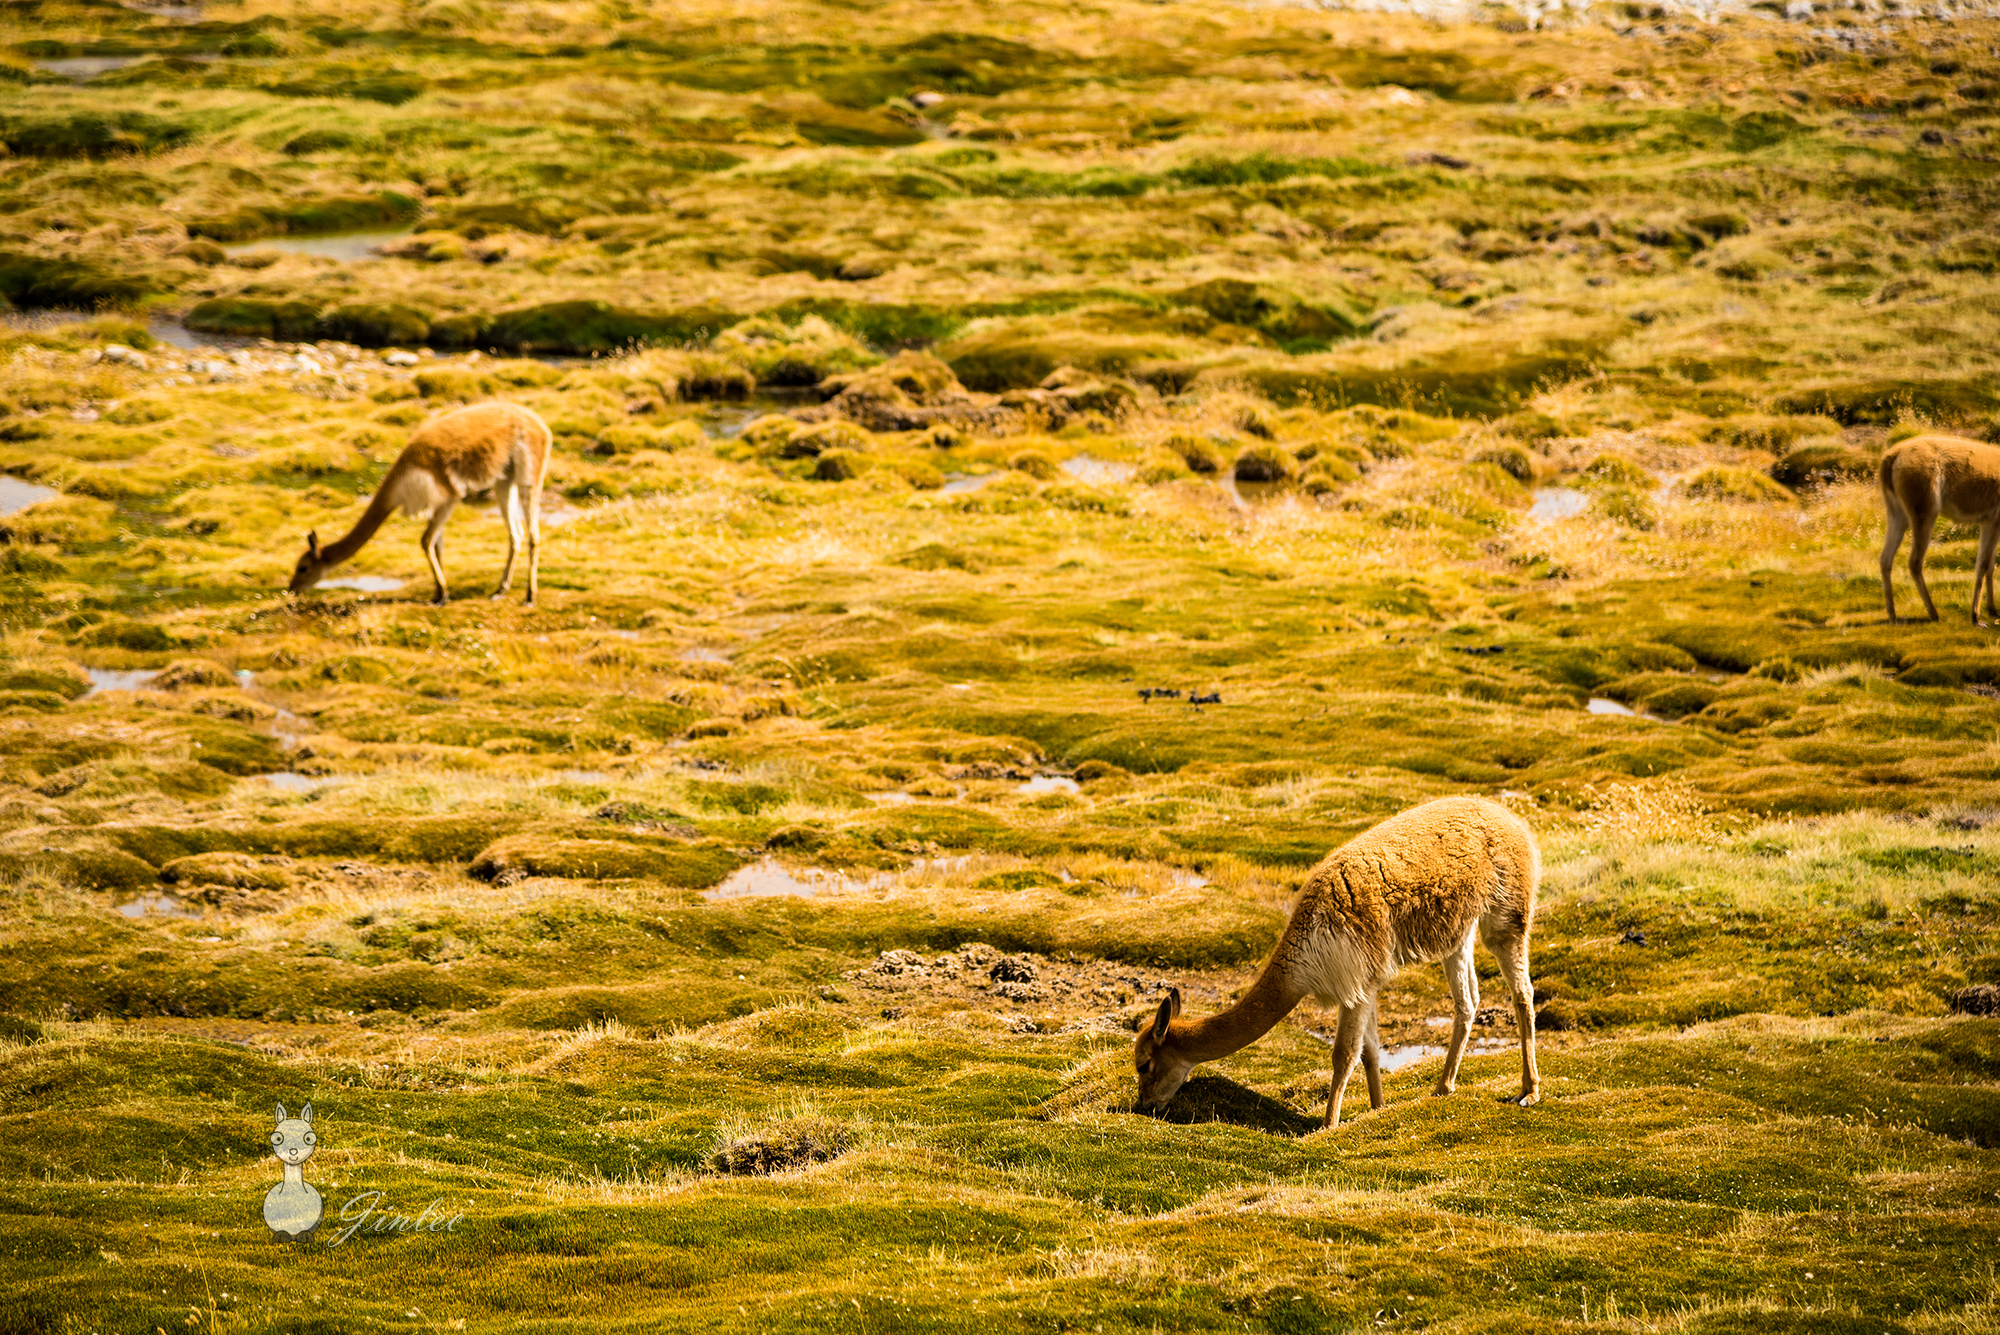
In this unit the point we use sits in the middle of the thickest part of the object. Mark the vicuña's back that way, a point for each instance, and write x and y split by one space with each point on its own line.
1420 886
1408 891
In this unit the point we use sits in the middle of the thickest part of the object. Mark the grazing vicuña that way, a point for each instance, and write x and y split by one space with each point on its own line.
1418 887
496 451
1928 476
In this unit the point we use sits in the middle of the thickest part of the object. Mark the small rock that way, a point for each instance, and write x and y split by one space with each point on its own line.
124 356
1019 1024
1633 937
400 357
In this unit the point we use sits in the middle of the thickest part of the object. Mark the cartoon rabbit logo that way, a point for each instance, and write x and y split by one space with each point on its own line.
293 1208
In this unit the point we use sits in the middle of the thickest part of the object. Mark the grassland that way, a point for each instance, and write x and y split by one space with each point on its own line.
943 395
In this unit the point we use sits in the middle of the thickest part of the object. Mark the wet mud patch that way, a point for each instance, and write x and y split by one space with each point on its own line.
1032 993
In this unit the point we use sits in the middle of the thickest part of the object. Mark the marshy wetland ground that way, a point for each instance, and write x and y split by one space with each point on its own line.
945 396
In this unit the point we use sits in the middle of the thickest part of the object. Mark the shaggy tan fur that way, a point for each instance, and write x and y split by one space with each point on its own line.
490 451
1928 476
1418 887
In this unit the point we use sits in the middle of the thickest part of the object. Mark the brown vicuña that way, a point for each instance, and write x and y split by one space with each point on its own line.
490 451
1418 887
1928 476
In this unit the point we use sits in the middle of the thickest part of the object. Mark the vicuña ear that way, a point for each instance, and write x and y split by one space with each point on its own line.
1174 996
282 1114
312 543
1161 1020
306 1114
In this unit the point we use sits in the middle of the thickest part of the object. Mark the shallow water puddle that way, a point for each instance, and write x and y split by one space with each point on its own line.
1558 503
1247 494
896 799
703 654
81 68
336 246
289 781
957 484
172 332
726 420
1407 1054
768 878
1599 705
1051 783
1096 472
364 583
17 493
109 679
157 902
287 727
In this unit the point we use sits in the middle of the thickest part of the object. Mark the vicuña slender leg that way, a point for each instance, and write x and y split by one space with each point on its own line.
1464 983
1982 571
1509 943
1899 524
510 510
434 548
534 540
1346 1045
1920 543
1371 1054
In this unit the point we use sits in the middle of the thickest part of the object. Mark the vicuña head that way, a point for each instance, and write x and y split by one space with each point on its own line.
312 567
1162 1068
1420 886
490 450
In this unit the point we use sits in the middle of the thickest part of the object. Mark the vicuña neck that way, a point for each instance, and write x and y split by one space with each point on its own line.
1269 1000
294 1174
371 519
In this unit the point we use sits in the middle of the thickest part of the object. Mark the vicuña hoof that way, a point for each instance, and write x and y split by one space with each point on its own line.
1529 1099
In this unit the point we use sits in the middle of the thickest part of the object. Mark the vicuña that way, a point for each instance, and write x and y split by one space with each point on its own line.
1928 476
1418 887
490 451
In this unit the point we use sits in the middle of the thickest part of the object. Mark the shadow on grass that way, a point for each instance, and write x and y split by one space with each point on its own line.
1215 1098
